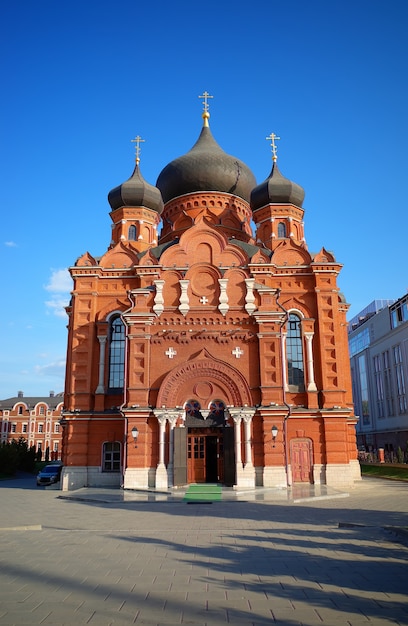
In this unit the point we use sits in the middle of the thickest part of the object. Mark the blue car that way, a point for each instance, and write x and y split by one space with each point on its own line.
49 475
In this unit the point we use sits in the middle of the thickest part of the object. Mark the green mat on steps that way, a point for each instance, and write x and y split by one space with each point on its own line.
203 493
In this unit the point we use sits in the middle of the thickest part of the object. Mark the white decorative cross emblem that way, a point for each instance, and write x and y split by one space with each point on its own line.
237 352
171 352
203 300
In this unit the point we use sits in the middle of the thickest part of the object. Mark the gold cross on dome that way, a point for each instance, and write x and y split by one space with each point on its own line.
272 138
137 140
206 95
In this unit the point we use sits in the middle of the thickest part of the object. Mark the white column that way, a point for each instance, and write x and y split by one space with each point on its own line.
162 434
249 469
247 416
245 474
172 417
311 385
184 306
102 341
158 306
249 297
223 304
238 457
161 471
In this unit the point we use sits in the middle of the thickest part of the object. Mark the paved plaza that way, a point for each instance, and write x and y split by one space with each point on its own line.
100 557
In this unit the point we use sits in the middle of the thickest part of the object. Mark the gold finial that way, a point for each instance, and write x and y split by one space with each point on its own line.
206 113
272 138
137 140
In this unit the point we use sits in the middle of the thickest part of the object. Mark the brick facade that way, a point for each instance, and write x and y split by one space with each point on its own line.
203 339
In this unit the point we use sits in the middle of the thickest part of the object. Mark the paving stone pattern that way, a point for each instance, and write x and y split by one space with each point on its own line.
98 557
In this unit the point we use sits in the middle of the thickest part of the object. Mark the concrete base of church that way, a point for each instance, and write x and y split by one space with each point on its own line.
342 476
137 478
77 477
355 469
274 477
162 478
319 474
245 476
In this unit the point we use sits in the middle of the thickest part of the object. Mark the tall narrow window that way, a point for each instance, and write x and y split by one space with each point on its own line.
281 230
379 385
389 396
399 374
116 354
132 233
365 407
111 456
294 352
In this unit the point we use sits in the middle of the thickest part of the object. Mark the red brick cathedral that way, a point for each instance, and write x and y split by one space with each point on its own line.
215 351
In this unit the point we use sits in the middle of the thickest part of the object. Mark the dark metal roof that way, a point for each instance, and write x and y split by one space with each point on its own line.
136 192
206 167
157 251
31 401
276 189
250 249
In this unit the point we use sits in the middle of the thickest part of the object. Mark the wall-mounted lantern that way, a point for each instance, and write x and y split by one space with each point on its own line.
135 435
274 434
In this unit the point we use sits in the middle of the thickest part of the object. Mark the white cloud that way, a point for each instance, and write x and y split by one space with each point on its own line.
10 244
57 305
51 369
59 286
60 281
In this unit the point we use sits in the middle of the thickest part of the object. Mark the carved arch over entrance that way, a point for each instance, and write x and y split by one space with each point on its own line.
222 381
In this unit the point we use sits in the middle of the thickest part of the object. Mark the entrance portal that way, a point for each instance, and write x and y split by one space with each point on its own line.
205 458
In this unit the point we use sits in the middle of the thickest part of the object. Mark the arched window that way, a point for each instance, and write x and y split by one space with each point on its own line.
132 233
217 407
111 456
294 351
192 408
116 354
281 230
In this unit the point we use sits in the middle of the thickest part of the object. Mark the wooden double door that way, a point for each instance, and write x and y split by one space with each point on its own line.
301 460
205 458
204 455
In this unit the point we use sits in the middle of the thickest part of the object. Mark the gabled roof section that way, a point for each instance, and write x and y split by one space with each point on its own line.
323 256
249 248
119 256
158 250
86 259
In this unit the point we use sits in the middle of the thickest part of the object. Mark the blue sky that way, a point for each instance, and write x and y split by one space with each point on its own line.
82 78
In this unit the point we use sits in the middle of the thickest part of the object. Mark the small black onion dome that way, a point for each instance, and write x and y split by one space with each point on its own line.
136 192
206 167
276 189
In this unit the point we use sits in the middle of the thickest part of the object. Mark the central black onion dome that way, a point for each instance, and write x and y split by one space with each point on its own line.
276 189
206 167
136 192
